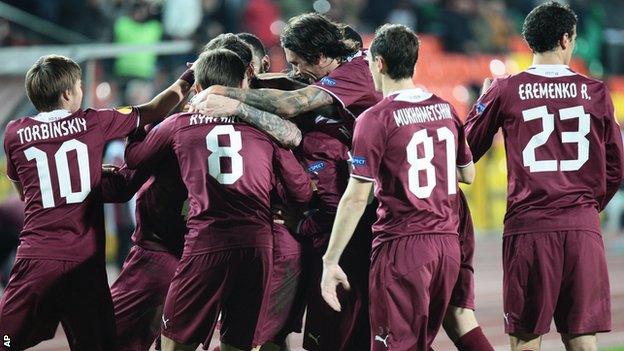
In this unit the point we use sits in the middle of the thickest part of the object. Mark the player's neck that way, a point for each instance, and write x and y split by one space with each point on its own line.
389 86
549 58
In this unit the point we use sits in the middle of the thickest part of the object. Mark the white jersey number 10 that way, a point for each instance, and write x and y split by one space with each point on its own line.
62 170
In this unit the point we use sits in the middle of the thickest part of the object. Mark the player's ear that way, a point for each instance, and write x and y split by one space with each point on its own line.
265 64
67 94
565 41
380 64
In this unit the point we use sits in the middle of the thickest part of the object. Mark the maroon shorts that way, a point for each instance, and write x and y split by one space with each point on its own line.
556 274
233 282
284 297
411 281
138 296
348 330
41 293
463 293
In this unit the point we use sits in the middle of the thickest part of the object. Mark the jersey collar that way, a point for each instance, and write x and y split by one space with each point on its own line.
411 95
551 70
51 116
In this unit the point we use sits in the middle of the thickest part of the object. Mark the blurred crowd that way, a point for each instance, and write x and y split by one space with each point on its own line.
464 25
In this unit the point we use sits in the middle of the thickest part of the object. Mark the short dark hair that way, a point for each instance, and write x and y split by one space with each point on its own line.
254 42
231 42
311 34
351 34
219 67
546 24
48 78
398 46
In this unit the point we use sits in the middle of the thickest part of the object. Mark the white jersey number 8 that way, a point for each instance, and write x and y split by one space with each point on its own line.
548 126
214 160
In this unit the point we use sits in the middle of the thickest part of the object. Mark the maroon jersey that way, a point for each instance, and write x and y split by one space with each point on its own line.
351 85
57 158
410 144
326 160
563 146
228 169
160 217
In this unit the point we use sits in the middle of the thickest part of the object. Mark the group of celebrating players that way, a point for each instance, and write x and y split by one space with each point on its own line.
247 202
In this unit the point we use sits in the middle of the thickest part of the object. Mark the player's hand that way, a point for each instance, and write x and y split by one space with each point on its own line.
487 82
332 276
218 106
199 98
109 169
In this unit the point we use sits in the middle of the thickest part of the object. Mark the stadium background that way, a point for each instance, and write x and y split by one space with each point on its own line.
130 50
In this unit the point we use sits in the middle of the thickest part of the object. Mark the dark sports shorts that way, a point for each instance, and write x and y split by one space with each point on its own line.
138 296
561 275
463 293
284 298
232 282
41 293
326 329
411 281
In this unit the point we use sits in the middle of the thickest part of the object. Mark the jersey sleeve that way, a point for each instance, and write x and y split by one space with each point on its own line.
345 85
117 123
613 150
141 154
464 155
369 140
296 182
121 186
11 170
484 120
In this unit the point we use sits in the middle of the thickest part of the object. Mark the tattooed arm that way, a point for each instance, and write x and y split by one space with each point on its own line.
283 103
284 132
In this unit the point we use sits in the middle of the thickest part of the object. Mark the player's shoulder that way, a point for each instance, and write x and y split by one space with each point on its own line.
11 129
354 68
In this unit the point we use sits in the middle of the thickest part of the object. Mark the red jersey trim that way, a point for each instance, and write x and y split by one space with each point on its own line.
13 180
466 165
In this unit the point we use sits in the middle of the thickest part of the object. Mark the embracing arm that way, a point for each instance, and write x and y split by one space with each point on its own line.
283 103
285 132
162 104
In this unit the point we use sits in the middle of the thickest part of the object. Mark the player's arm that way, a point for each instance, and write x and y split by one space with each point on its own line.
280 102
120 184
140 154
614 152
296 182
484 120
369 140
284 132
350 210
464 165
162 104
11 171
